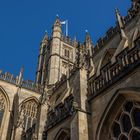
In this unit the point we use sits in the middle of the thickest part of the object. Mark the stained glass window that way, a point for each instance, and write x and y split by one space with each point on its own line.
116 130
123 138
136 135
126 125
2 107
128 106
136 115
29 114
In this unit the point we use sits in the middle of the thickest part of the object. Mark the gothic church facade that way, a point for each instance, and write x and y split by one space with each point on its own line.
82 91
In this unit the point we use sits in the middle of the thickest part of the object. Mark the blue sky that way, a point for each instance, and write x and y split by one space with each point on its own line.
23 23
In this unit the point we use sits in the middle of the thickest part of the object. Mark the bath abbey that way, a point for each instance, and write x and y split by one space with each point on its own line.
82 91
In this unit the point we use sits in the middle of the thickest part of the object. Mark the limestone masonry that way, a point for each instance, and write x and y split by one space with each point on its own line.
82 91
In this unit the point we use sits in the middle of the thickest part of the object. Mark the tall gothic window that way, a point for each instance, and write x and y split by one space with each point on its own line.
126 125
28 114
2 107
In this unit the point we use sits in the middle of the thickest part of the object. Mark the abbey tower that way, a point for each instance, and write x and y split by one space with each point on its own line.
56 54
82 91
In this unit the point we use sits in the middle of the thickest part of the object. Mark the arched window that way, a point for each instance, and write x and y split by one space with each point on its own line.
2 107
63 135
126 125
28 114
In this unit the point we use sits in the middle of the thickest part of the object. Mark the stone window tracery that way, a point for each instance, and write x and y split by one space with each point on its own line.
28 114
126 125
2 107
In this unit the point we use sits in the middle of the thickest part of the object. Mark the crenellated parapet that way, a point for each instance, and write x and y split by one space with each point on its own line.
68 40
8 77
104 40
132 13
28 84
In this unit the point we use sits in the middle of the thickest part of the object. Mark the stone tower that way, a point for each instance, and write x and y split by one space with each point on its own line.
56 54
54 61
90 93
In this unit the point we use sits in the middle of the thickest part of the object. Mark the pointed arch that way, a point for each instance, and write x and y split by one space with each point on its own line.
28 112
113 110
108 54
63 134
4 108
29 99
6 97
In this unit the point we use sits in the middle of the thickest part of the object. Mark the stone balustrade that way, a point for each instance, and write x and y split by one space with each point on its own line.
126 61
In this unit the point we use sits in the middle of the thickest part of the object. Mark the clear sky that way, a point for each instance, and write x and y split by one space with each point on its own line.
23 23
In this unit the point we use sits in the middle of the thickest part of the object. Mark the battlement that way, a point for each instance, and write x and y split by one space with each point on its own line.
132 13
68 40
110 33
8 77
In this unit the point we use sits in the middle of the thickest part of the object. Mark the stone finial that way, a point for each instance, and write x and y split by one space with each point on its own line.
57 21
89 46
20 78
119 18
88 38
46 37
56 30
75 42
121 24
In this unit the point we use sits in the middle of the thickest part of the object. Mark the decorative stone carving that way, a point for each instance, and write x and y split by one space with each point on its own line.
82 57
